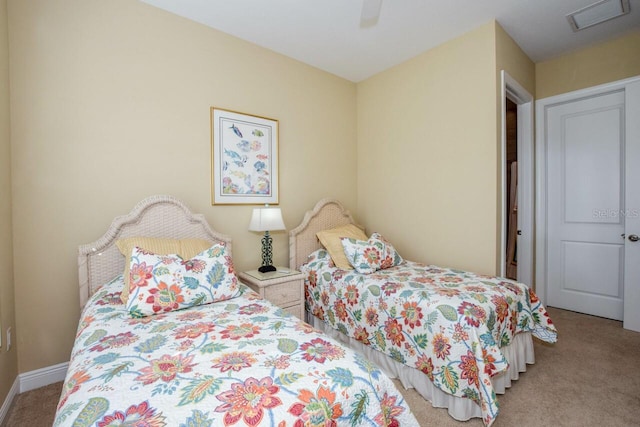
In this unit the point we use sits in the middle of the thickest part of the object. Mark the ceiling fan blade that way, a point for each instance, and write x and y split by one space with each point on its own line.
370 12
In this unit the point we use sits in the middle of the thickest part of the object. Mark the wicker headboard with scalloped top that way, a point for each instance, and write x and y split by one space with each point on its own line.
327 214
155 216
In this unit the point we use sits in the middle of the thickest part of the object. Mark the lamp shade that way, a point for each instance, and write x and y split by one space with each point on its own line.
266 219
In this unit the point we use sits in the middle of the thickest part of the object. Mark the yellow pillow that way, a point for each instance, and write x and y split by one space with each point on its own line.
330 239
185 248
192 247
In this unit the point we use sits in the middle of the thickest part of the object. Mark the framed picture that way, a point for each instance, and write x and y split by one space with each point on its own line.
244 158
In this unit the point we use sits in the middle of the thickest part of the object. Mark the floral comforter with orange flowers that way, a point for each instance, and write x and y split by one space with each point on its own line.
449 324
237 362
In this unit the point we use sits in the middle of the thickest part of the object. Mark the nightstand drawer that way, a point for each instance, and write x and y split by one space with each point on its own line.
296 310
281 288
284 293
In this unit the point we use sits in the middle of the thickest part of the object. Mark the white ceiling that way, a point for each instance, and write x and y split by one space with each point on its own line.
326 33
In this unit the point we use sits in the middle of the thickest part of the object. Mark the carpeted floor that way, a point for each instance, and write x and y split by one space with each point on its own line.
589 378
35 408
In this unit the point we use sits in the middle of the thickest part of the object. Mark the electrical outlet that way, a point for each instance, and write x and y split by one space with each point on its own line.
8 338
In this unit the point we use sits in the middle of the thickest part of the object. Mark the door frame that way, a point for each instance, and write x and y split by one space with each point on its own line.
519 95
542 105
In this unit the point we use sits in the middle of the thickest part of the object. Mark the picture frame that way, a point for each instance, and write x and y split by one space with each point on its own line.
244 158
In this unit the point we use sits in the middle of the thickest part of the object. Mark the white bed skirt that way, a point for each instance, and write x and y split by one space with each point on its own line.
519 353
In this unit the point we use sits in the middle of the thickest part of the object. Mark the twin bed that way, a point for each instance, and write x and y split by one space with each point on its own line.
456 337
167 358
191 346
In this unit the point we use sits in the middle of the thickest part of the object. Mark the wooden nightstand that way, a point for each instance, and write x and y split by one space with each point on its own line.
283 287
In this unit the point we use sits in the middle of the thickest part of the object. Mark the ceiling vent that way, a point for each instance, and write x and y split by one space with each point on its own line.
370 13
596 13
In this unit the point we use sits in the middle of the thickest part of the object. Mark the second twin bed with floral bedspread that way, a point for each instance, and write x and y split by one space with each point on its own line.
467 333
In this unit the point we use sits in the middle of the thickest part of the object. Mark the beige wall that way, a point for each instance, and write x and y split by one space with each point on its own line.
427 153
513 60
603 63
110 104
8 359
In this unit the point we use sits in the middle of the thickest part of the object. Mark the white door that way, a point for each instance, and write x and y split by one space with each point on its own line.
591 257
585 148
632 198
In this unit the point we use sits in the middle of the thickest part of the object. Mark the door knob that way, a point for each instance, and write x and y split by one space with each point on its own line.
634 238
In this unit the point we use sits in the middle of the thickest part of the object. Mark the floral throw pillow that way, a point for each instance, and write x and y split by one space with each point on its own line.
162 283
391 257
371 255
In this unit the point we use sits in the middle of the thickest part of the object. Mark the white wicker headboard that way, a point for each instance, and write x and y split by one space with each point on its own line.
155 216
327 213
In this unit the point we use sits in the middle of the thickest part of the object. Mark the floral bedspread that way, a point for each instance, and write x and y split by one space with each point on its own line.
238 362
449 324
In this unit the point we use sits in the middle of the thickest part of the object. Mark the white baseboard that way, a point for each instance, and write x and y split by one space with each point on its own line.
42 377
9 399
32 380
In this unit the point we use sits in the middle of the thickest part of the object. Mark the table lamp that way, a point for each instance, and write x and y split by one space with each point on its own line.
266 219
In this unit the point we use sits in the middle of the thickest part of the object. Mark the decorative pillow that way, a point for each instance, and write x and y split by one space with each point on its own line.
186 248
371 255
162 283
391 256
330 239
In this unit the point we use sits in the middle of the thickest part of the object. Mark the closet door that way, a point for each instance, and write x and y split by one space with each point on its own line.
589 244
632 199
585 153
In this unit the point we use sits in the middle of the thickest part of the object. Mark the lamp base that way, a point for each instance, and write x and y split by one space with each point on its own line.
266 254
266 268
